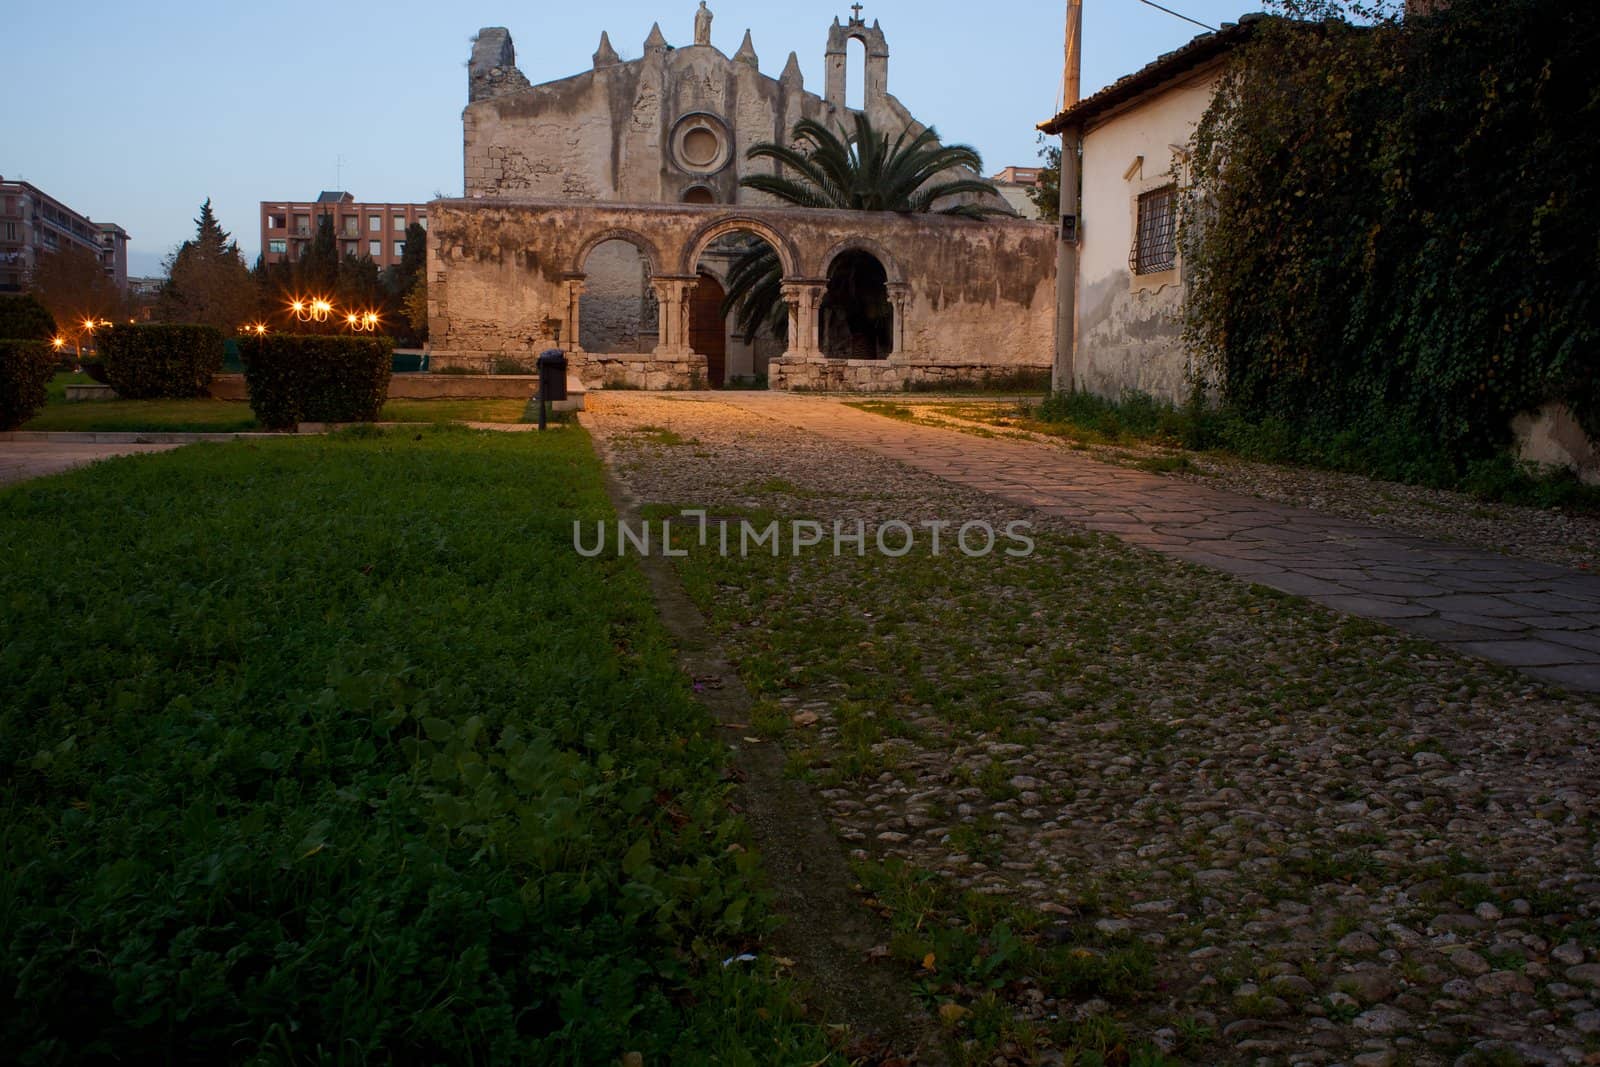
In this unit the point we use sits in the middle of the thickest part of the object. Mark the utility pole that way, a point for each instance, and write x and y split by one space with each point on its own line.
1061 377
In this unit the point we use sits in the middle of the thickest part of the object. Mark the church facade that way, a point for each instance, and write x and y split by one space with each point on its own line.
602 212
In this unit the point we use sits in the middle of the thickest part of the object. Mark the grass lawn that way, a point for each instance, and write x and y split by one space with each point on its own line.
204 415
334 749
1139 420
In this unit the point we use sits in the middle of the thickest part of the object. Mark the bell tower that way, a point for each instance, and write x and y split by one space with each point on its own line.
839 38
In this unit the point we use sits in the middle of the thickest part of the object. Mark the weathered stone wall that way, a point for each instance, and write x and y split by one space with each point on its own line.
620 313
1130 330
506 277
618 132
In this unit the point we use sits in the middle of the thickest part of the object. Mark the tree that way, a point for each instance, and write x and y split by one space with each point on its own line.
24 318
207 281
1046 193
414 261
416 309
863 172
317 269
72 285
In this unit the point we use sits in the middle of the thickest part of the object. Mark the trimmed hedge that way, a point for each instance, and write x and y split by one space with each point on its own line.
160 359
297 378
26 367
23 317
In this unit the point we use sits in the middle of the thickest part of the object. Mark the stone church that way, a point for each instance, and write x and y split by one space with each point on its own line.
602 210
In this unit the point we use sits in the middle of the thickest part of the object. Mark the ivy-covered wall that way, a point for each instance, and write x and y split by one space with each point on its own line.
1398 227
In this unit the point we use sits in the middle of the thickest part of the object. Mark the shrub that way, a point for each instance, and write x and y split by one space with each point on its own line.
23 317
160 359
25 370
303 378
1395 227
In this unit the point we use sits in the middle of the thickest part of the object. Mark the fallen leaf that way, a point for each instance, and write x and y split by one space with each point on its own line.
878 952
952 1013
805 718
927 962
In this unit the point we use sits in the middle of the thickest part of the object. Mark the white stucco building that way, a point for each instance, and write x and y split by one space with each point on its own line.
1135 134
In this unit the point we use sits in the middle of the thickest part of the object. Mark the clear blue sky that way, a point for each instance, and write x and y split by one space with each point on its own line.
135 112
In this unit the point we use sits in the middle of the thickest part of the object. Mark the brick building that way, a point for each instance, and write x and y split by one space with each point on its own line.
361 229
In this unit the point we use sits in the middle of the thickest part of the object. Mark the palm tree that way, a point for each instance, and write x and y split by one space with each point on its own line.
860 173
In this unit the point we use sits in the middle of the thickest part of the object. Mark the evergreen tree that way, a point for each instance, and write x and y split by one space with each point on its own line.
317 271
207 281
415 260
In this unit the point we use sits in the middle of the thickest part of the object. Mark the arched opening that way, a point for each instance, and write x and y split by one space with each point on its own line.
855 75
856 317
737 317
708 327
699 194
618 310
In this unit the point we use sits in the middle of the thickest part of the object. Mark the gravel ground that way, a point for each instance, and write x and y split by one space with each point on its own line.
1330 843
1532 533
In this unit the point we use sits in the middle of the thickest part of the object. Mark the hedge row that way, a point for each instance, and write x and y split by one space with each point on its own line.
160 359
303 378
25 370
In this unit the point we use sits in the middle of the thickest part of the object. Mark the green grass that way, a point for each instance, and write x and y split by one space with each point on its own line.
205 415
1380 449
332 749
200 415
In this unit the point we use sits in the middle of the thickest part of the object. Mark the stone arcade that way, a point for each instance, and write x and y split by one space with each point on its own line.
603 210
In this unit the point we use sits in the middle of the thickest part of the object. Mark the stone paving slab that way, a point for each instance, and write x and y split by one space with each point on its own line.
1527 614
21 460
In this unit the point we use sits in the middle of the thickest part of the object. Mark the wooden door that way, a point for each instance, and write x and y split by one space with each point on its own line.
708 330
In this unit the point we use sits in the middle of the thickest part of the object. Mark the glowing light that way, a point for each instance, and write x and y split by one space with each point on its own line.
59 342
316 309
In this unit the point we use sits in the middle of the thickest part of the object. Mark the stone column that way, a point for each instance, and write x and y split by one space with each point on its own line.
803 296
666 304
672 295
900 298
569 329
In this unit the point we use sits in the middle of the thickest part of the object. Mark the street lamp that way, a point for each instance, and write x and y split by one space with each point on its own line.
316 309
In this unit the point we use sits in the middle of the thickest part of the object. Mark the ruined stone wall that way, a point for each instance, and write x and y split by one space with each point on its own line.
619 311
637 132
973 296
1130 329
615 133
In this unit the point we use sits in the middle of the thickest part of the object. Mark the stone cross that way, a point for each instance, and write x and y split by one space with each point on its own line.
857 9
702 24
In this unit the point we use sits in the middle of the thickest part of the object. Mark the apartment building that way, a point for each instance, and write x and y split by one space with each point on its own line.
1014 184
361 229
34 223
114 252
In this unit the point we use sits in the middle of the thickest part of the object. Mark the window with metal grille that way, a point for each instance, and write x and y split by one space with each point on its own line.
1155 244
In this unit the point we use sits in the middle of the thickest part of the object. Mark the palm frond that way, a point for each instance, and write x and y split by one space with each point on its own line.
856 168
